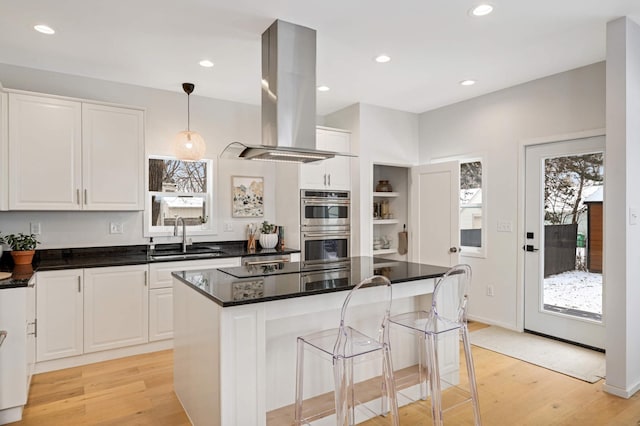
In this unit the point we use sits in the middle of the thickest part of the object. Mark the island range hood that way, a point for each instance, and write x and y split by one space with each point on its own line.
288 98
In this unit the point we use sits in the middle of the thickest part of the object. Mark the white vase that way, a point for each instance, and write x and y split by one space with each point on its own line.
268 240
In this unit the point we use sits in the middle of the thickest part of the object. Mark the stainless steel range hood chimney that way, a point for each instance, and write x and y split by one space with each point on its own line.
288 98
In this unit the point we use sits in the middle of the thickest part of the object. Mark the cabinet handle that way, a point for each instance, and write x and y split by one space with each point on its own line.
78 196
329 179
3 335
34 333
325 180
145 278
79 289
85 196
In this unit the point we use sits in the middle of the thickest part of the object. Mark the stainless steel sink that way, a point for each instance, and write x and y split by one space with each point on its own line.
193 252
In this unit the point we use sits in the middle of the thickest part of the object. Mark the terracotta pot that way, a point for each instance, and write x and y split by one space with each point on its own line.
22 257
22 272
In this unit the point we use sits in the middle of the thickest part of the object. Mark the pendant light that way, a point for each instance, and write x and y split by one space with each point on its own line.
189 145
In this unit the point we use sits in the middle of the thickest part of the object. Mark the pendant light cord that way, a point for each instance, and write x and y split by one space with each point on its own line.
188 113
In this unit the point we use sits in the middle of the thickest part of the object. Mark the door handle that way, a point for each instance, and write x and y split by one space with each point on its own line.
454 249
3 335
529 247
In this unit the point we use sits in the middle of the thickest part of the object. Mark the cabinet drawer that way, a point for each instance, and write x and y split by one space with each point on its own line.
160 273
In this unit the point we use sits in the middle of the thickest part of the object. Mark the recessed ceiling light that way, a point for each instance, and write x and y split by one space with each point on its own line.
382 59
206 63
482 10
467 82
323 88
44 29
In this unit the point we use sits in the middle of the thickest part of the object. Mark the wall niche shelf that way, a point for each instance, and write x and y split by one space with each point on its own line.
385 231
385 221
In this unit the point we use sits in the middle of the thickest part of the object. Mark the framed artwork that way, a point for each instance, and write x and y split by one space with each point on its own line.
247 194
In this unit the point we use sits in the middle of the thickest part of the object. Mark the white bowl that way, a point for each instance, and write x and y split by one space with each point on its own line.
268 240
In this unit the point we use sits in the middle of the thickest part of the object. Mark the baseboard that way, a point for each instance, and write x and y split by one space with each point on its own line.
489 321
10 415
622 393
75 361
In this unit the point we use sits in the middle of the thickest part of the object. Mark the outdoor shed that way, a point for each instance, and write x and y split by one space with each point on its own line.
594 231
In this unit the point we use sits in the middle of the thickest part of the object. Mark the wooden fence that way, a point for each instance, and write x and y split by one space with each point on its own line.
559 248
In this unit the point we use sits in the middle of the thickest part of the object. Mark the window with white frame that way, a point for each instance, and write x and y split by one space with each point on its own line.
179 189
472 238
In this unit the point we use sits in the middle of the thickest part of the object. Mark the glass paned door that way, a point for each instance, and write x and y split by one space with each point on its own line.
564 232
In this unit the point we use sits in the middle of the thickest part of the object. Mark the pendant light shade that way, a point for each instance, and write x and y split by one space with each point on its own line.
189 145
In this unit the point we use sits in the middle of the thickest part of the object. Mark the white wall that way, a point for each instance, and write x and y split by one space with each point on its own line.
220 122
622 175
378 135
494 126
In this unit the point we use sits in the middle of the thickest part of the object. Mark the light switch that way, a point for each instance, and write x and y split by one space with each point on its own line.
35 228
505 226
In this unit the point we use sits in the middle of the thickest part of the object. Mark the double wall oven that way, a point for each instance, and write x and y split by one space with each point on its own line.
325 225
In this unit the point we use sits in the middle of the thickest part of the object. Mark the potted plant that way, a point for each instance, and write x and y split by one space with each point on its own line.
23 247
268 235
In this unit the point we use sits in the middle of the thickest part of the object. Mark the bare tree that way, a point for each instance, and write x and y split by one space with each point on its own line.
565 180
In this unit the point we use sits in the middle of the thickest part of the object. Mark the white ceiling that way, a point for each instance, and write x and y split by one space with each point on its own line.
433 44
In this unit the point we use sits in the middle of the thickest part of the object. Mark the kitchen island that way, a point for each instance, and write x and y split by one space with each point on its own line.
235 330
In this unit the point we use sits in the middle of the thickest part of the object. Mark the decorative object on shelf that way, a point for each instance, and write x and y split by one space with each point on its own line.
268 235
281 237
384 209
384 186
247 196
23 247
189 145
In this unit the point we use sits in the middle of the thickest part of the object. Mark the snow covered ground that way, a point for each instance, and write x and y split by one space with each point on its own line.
574 289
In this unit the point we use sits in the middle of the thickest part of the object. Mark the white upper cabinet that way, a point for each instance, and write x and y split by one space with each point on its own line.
71 155
334 173
4 152
45 153
113 157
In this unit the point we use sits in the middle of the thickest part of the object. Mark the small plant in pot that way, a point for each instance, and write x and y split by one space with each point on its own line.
268 235
23 247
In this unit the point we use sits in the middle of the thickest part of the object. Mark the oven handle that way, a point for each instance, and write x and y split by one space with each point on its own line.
325 234
327 203
265 262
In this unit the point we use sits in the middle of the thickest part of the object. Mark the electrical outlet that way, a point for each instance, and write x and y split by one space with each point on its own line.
228 227
35 228
490 290
116 228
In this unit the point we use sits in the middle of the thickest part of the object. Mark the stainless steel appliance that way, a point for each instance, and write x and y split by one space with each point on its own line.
325 219
324 209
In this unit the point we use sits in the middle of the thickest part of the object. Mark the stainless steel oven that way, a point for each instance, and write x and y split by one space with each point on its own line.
325 279
324 208
325 245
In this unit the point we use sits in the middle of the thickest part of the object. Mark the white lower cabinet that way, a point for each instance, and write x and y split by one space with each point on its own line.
116 307
16 357
59 309
160 314
161 291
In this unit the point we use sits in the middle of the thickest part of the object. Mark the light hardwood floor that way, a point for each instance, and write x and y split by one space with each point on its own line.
138 391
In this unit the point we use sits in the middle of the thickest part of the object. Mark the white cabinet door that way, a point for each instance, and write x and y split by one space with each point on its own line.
113 157
45 163
334 173
160 314
338 169
116 307
13 363
60 314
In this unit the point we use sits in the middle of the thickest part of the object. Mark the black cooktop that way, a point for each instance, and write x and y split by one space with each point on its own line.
249 271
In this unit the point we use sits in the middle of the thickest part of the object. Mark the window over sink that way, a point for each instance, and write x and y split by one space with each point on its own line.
179 188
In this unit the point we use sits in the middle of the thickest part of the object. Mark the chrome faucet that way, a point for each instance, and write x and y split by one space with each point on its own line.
184 232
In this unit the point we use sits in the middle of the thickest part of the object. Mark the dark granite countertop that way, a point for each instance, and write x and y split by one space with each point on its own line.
94 257
231 287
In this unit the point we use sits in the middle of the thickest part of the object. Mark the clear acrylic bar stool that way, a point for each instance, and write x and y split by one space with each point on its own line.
344 345
448 314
